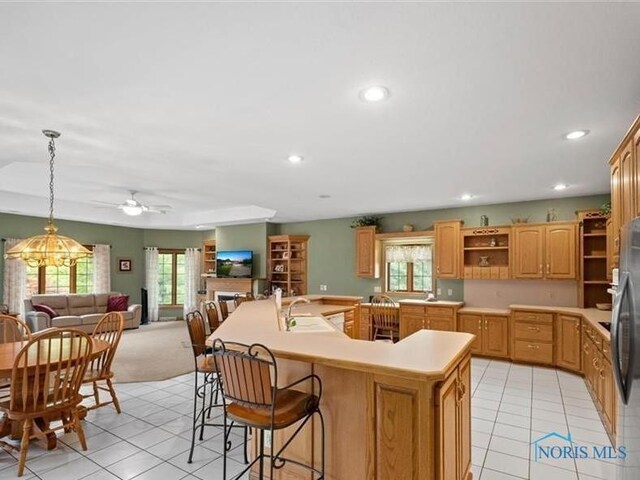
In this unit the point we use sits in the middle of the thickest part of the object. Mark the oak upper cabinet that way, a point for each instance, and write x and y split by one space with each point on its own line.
545 251
627 183
616 208
609 249
448 248
528 251
453 424
636 168
560 251
367 253
568 342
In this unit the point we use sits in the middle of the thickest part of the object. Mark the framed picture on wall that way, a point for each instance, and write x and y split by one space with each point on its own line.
125 265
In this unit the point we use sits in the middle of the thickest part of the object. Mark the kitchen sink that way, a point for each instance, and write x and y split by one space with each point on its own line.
305 324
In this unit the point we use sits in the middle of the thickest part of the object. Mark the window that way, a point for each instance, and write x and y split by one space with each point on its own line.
171 277
76 279
408 267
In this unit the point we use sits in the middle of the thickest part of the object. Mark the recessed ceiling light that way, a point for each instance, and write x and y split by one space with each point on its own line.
561 186
199 226
576 134
466 197
324 195
375 93
295 158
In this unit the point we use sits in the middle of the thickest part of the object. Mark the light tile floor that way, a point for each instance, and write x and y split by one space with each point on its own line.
512 405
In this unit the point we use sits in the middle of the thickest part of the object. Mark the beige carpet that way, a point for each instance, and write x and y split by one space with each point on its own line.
156 351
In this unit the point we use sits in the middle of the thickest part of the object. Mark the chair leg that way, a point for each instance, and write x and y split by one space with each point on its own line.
96 393
24 445
261 465
224 447
322 446
193 427
77 426
204 403
114 397
246 438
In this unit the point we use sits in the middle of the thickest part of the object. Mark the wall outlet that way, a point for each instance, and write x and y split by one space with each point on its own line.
377 289
323 288
450 292
438 292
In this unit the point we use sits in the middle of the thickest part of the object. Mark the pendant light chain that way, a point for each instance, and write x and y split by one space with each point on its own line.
52 153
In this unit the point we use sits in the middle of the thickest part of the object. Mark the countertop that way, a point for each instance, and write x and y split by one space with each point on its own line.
592 315
444 303
322 298
427 353
485 310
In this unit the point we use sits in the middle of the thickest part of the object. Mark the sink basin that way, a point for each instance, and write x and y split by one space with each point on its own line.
310 325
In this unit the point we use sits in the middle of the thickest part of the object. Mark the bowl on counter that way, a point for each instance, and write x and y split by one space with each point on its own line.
603 306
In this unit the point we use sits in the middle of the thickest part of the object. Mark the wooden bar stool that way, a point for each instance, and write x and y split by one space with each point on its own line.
251 397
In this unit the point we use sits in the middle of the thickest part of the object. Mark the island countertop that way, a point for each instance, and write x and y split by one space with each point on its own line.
425 353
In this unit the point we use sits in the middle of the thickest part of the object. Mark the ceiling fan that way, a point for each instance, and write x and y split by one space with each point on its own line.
134 207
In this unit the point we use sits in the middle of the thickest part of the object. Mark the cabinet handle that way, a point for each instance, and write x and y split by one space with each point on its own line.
602 373
535 329
548 268
540 268
438 269
535 347
532 317
486 325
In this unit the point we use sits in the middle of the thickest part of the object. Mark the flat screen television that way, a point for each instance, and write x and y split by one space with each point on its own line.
234 264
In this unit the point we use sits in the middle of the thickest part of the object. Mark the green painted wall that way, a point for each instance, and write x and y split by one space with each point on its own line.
332 246
125 243
246 237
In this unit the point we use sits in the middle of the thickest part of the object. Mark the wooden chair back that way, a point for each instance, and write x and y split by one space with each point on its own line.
224 309
109 329
238 299
246 373
384 313
197 333
249 297
13 330
4 309
212 315
48 371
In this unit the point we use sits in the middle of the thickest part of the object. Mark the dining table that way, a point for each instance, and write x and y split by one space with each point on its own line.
59 350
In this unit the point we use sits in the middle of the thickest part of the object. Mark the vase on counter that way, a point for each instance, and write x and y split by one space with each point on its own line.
407 228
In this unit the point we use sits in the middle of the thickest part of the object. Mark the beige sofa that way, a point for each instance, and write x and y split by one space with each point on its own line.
82 311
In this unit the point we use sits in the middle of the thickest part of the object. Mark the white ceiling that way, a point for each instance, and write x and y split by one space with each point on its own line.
198 106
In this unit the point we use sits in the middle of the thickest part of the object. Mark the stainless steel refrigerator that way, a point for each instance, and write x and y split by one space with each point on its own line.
625 351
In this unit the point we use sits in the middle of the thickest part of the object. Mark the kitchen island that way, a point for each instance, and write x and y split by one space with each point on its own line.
392 411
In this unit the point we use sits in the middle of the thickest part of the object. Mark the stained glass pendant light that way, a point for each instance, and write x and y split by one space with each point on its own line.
51 249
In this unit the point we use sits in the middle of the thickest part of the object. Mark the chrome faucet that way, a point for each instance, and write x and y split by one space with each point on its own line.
287 317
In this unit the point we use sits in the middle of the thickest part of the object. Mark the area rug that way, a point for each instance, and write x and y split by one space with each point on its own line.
152 352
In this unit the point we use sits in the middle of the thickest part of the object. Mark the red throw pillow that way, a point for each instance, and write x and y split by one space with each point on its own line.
46 309
118 303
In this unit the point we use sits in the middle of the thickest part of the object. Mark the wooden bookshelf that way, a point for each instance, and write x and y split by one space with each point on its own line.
209 257
593 283
287 266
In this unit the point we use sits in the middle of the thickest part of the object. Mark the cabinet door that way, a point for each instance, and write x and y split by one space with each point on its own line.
496 336
587 354
472 324
348 329
367 264
447 429
616 206
609 250
636 168
608 393
528 251
568 344
445 324
627 187
447 249
410 324
365 324
464 419
560 251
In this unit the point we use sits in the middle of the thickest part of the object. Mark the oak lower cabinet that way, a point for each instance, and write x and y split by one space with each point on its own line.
435 316
447 246
453 424
568 342
365 323
532 336
491 331
545 251
349 323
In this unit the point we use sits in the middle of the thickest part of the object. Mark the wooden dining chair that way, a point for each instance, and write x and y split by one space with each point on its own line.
212 316
238 299
108 329
385 317
11 330
224 310
45 383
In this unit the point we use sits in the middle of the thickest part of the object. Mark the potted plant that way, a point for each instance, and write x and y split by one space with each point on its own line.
366 221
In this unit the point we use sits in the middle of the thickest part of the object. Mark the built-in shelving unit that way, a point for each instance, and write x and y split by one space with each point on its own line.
593 259
209 257
485 253
287 266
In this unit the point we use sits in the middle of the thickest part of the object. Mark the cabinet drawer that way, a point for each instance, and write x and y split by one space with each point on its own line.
533 317
412 309
440 311
534 331
442 323
536 352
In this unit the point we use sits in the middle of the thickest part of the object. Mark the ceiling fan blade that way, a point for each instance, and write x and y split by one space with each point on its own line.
156 210
160 207
114 205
